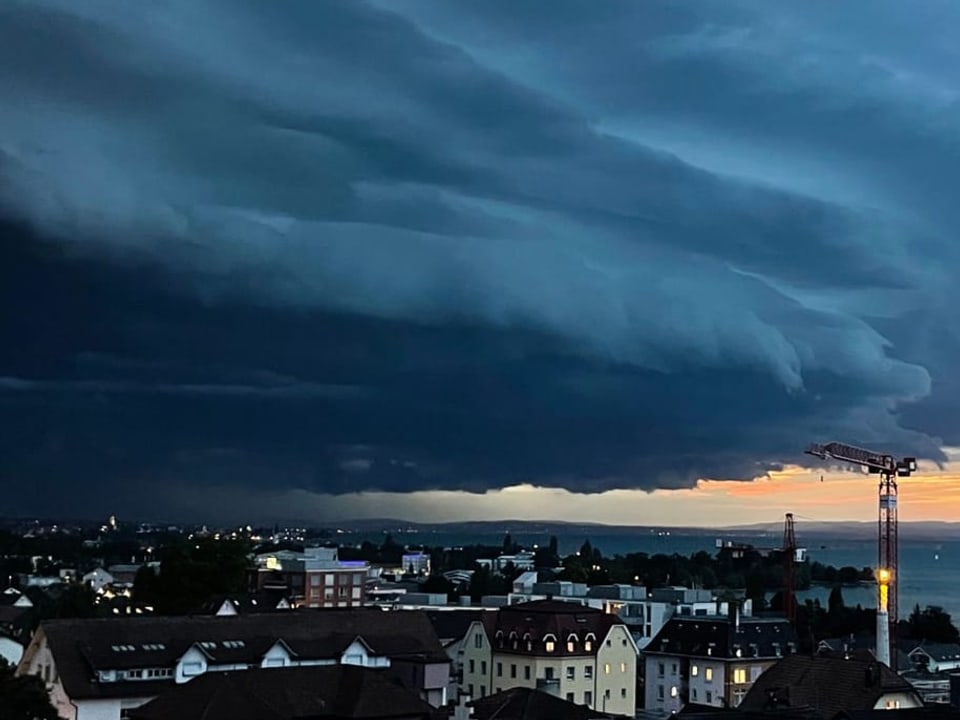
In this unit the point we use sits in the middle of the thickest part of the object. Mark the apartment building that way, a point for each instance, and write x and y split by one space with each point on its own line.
315 578
711 659
630 603
645 613
577 653
100 669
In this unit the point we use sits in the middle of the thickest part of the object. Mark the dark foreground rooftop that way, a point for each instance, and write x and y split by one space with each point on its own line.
338 692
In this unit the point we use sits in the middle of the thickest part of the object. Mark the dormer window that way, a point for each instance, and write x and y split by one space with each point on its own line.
588 642
572 644
499 638
550 643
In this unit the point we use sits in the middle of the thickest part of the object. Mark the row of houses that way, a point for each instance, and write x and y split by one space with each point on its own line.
105 668
101 669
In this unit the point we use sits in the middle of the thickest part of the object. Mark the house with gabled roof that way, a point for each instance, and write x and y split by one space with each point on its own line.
830 685
577 653
936 657
101 668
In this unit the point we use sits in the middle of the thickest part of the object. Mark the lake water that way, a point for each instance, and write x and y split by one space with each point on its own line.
929 569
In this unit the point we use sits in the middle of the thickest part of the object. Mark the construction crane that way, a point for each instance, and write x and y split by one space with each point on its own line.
888 577
789 576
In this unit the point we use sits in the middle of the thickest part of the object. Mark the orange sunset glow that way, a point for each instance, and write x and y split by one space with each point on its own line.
933 493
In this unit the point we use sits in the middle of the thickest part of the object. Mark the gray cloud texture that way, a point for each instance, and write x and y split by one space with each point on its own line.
416 244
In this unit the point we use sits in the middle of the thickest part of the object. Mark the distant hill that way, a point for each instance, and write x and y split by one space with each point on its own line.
843 529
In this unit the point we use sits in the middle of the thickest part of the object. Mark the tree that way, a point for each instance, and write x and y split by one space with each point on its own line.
835 601
24 697
191 573
931 624
507 544
586 550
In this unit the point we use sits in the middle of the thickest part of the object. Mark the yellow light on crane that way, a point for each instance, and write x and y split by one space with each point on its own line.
883 580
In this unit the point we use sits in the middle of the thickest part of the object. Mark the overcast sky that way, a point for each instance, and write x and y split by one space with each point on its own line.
255 254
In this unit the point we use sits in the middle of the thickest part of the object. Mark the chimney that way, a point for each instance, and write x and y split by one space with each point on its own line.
733 612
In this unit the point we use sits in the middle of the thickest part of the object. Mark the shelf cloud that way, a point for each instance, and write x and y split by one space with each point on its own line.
410 245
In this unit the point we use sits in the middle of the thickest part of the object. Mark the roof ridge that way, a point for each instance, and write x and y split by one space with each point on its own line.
252 694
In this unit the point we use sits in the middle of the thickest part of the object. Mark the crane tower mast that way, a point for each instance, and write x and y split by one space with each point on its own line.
889 468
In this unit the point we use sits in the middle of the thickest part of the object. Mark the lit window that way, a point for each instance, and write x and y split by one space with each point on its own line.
606 668
694 670
893 704
550 645
708 674
673 691
571 647
740 676
623 667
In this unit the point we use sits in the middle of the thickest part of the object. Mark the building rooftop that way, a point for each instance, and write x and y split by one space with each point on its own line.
523 628
829 685
529 704
452 625
940 652
300 693
82 647
722 637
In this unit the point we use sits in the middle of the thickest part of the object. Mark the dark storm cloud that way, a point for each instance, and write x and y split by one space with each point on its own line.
418 244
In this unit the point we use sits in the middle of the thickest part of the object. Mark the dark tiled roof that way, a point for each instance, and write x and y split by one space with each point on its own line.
693 711
867 654
827 684
528 704
453 624
721 637
81 647
301 693
11 615
940 651
540 618
260 602
930 712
